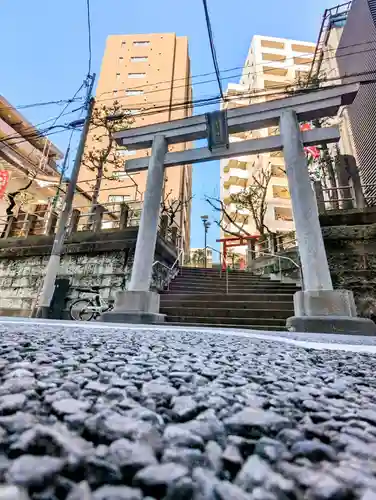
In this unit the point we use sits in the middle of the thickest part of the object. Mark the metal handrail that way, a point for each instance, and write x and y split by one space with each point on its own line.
279 257
170 275
220 259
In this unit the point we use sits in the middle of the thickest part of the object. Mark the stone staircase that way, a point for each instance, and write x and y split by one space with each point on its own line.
197 297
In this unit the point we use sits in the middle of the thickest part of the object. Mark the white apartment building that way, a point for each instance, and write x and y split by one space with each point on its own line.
272 65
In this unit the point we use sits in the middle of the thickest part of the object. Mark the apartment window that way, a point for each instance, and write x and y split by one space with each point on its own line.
115 92
139 59
141 43
136 75
281 192
121 59
283 214
271 44
117 76
278 171
302 60
303 48
271 70
273 57
133 92
118 198
123 45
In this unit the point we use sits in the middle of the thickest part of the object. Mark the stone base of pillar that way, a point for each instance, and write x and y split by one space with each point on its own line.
328 311
135 307
331 324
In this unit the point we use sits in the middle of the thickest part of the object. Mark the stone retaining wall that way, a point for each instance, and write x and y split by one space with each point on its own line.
350 242
103 259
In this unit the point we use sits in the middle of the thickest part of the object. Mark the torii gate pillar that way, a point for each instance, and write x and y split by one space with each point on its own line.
139 304
318 308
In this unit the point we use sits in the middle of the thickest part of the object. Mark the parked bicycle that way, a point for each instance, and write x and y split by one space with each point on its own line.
85 309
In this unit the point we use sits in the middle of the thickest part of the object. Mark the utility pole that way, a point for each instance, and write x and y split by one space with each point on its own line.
54 260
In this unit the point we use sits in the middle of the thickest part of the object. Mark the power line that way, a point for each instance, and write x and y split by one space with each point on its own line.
264 63
40 135
276 91
89 34
232 76
38 104
33 128
212 46
227 77
68 103
34 132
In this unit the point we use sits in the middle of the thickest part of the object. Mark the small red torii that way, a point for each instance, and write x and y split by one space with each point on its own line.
235 241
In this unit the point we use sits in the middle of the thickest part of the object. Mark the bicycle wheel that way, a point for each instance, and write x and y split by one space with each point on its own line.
81 310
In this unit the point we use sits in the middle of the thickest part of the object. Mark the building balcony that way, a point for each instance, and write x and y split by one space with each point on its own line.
235 180
278 170
281 192
283 214
275 70
242 165
238 217
272 44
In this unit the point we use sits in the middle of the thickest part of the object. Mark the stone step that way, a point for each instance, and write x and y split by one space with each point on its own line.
218 279
167 296
196 288
227 326
220 320
173 302
217 282
210 312
185 272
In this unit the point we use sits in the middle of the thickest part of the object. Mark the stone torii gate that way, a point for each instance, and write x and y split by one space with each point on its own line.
317 308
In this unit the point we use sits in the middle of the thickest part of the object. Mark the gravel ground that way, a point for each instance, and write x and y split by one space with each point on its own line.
122 414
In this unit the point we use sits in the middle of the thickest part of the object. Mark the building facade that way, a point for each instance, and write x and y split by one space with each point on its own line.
29 176
149 76
272 65
356 59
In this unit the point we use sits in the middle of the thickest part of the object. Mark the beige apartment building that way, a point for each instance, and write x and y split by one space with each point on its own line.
271 66
150 76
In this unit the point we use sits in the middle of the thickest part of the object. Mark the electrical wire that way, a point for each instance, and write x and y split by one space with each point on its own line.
226 98
117 98
264 63
37 104
254 94
212 46
40 135
68 103
89 35
277 91
34 132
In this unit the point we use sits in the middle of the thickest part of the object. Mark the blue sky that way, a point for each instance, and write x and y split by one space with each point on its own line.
45 53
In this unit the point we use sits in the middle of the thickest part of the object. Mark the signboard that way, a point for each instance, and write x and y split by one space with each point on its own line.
4 180
216 124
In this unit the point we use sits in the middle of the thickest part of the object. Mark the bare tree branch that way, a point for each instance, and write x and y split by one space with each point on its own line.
171 207
104 155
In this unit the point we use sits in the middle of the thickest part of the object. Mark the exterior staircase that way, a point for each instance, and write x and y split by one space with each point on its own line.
197 297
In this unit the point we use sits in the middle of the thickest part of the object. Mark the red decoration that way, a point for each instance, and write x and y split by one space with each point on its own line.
4 180
311 151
